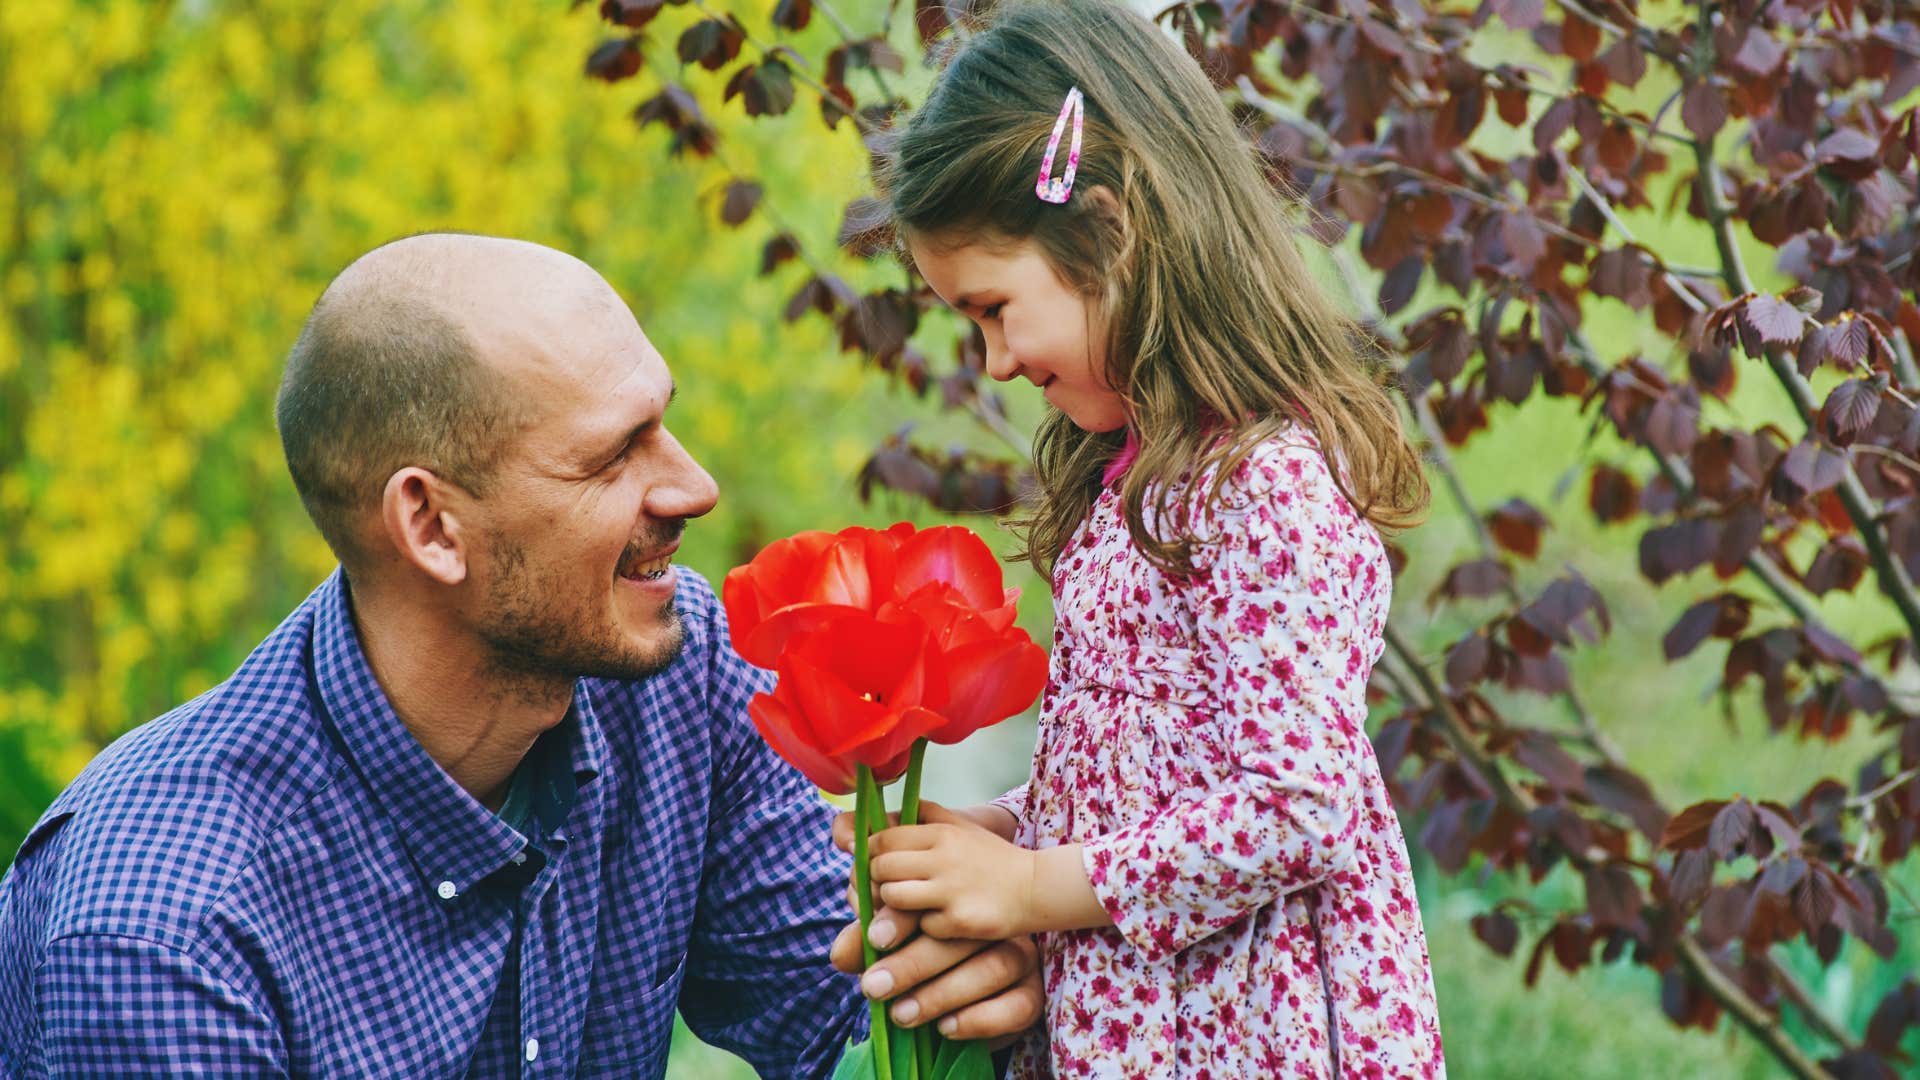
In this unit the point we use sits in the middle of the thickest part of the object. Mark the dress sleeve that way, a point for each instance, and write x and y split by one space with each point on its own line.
1014 802
1290 625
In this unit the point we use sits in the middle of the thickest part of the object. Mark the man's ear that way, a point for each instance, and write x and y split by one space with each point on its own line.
420 520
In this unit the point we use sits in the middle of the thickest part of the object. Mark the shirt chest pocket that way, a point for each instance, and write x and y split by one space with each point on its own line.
631 1036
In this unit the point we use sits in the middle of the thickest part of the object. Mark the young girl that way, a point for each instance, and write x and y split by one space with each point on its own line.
1205 848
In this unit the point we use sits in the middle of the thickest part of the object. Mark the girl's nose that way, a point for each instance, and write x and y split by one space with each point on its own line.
1001 365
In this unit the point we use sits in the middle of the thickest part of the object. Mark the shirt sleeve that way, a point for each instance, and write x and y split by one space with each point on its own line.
772 898
1288 631
115 1005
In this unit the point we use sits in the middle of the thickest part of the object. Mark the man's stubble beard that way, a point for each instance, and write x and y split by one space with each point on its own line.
530 635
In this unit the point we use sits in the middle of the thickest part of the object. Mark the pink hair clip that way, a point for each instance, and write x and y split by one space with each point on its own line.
1055 189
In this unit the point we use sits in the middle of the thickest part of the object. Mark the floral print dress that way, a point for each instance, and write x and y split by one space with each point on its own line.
1203 738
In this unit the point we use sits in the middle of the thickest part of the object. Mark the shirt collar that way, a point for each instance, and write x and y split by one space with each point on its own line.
453 841
1122 459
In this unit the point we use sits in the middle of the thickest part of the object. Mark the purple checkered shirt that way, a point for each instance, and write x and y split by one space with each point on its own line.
275 879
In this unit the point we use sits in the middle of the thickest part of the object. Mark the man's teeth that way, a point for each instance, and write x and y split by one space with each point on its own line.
653 570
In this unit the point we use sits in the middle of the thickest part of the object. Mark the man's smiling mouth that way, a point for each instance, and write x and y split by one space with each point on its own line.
651 570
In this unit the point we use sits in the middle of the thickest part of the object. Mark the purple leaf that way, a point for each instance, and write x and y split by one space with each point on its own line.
1774 319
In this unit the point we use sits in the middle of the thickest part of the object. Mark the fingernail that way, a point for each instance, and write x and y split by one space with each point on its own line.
881 933
906 1011
948 1025
877 983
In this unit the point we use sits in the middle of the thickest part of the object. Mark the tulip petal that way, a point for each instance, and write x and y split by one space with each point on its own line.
776 723
880 660
844 572
742 603
774 579
841 717
1002 617
762 647
889 756
955 556
988 682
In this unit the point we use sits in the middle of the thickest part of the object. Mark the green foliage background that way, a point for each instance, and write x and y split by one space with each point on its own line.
179 180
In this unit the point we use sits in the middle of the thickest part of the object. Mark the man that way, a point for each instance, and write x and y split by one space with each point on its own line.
488 802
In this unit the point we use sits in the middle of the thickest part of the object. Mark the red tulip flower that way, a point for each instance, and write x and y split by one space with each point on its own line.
852 694
814 603
804 580
992 673
954 557
883 640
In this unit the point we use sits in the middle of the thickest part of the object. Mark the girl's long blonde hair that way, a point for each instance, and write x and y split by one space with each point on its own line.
1213 322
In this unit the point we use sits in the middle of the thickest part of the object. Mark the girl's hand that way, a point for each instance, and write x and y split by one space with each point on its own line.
890 927
966 881
995 819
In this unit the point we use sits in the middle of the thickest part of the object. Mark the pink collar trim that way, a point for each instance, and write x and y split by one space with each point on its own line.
1118 466
1131 449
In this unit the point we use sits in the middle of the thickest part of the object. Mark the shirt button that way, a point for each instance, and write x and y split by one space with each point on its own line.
519 858
447 890
533 1049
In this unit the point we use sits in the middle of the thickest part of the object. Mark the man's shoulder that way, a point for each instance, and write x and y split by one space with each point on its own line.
155 830
700 609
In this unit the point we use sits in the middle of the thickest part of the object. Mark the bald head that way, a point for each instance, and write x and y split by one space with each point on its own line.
409 359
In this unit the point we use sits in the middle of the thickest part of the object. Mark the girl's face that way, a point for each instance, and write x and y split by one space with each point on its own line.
1036 325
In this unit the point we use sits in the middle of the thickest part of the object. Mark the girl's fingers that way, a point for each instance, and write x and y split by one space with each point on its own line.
902 866
932 813
905 838
843 829
910 895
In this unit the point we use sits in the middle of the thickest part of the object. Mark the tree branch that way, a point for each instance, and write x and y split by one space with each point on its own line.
1692 955
1442 460
1746 1011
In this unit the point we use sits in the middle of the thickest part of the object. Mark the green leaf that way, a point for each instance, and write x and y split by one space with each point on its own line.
955 1059
856 1063
900 1049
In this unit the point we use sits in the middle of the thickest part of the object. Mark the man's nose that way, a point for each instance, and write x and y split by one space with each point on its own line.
684 489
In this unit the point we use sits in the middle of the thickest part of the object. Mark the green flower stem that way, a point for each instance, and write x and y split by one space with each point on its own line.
910 791
865 795
923 1052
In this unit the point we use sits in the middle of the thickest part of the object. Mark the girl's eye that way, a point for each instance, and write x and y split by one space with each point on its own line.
990 312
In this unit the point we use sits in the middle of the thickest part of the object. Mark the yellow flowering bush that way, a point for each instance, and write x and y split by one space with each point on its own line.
181 180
